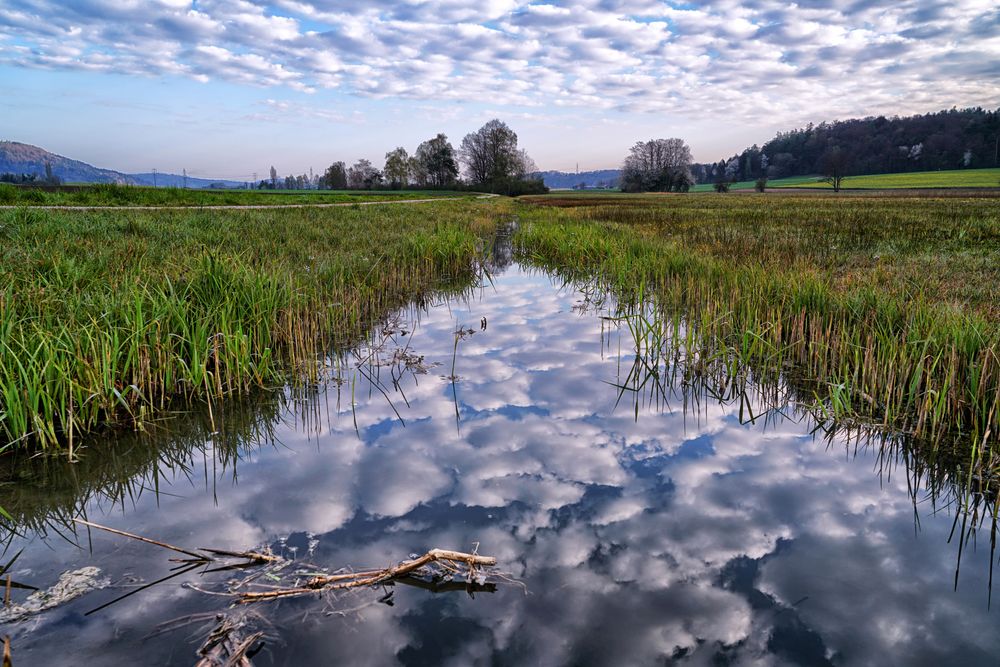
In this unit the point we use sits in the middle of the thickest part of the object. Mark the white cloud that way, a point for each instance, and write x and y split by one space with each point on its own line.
712 59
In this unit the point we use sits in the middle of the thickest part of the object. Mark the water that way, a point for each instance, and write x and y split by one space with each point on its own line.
671 532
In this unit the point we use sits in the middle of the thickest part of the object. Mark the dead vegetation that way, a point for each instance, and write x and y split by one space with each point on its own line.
233 636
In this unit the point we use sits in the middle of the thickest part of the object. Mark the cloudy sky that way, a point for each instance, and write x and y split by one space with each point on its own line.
227 87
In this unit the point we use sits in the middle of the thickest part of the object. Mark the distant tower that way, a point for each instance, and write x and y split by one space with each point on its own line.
185 178
154 177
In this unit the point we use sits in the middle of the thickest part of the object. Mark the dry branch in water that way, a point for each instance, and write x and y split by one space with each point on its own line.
226 647
375 577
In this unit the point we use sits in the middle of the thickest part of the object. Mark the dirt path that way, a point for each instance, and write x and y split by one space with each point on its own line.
238 207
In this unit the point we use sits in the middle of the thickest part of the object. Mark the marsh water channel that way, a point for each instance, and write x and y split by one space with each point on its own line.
630 527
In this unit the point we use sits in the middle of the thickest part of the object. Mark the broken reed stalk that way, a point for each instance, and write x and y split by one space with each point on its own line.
206 555
372 577
7 660
164 545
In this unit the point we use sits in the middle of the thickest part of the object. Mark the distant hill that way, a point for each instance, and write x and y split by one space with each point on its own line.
604 178
18 158
177 181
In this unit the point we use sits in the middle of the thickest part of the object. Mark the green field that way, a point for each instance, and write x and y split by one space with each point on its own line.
959 178
749 185
128 195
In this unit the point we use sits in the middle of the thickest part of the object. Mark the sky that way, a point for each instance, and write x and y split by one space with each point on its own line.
227 88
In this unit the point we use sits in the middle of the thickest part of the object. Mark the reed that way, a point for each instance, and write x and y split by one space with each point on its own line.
106 317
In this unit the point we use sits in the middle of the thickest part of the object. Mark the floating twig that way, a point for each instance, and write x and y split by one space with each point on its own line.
373 577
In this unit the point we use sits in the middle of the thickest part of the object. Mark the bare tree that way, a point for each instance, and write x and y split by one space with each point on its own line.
657 165
274 177
363 176
833 165
491 156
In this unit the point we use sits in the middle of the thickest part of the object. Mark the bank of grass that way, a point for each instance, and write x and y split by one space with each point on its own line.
128 195
108 316
887 306
957 178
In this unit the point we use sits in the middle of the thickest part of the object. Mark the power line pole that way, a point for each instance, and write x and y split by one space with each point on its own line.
185 178
154 177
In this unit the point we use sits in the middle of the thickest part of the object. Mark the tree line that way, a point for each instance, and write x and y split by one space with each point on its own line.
488 159
951 139
24 179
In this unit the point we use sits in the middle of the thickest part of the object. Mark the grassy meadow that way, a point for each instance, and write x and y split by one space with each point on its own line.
106 316
129 195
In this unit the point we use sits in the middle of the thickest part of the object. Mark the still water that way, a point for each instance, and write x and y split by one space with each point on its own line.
649 532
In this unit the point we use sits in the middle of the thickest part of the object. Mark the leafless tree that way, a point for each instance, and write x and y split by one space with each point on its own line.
657 165
833 165
491 156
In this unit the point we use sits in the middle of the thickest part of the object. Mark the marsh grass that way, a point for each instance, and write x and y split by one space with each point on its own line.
886 308
108 317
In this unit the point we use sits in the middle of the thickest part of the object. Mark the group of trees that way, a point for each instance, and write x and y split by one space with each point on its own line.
494 162
490 155
954 139
657 165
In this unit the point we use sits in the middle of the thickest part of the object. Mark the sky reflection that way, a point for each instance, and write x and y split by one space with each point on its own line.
680 536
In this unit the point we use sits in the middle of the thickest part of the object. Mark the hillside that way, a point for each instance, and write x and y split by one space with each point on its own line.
946 140
18 158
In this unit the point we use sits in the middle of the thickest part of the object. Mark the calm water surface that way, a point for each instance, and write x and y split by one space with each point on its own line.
677 533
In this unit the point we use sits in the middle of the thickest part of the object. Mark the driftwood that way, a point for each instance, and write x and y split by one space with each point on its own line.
374 577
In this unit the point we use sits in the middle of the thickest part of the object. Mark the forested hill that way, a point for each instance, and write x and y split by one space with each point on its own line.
955 139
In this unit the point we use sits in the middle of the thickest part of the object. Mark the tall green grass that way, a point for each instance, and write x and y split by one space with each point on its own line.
106 317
